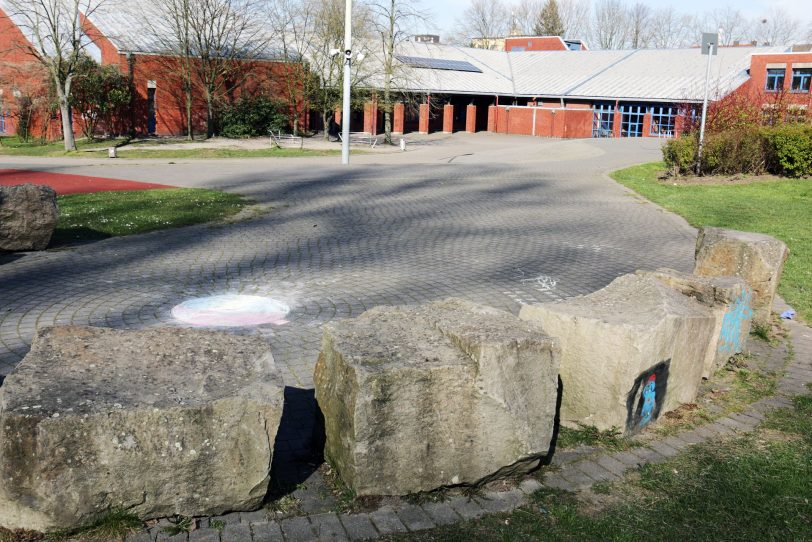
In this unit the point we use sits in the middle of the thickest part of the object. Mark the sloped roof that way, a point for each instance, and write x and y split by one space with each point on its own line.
645 74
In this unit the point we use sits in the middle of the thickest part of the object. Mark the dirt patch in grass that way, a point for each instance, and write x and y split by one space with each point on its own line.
719 180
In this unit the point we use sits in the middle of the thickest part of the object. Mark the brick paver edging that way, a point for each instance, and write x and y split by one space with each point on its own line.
576 473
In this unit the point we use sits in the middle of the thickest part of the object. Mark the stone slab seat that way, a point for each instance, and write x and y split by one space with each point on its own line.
755 257
28 217
729 298
415 398
629 352
158 422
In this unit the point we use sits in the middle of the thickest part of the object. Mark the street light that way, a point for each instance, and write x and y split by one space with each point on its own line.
345 112
710 46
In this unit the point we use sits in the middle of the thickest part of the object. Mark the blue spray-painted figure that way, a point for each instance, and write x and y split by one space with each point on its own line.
735 318
649 401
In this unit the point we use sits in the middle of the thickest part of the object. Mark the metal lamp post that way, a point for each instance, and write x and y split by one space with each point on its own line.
710 46
345 113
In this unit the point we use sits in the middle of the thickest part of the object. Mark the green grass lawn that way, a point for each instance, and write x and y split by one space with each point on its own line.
782 208
12 146
84 217
751 488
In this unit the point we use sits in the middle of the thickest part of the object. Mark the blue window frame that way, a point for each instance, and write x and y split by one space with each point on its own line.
603 119
775 79
801 77
663 120
631 120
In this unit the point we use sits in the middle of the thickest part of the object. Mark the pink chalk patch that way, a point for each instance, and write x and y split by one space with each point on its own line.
231 311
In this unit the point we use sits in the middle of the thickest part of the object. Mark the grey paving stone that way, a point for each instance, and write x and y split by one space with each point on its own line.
257 516
386 521
626 458
650 455
414 518
298 529
204 535
163 536
734 424
595 471
236 532
677 442
328 528
267 532
663 449
506 501
466 508
556 481
611 464
227 519
441 513
529 486
576 478
358 526
141 536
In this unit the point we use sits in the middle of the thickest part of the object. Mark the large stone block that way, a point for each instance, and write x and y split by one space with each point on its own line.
159 422
729 298
28 216
416 398
755 257
629 352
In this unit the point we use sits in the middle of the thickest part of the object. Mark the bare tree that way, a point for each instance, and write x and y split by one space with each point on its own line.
524 15
639 21
609 24
729 22
225 37
670 29
482 19
394 21
575 17
57 39
777 27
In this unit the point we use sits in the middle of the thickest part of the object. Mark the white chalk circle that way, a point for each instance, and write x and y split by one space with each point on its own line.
231 310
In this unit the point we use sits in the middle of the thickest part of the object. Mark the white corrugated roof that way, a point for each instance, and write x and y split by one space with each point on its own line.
645 74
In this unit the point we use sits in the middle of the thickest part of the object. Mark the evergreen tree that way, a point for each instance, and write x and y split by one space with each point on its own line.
549 21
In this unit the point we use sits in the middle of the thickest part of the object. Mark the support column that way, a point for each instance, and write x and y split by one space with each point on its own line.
493 110
371 117
470 119
423 125
398 118
617 118
647 124
448 118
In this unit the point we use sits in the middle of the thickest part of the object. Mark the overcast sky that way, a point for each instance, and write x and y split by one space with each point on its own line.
446 11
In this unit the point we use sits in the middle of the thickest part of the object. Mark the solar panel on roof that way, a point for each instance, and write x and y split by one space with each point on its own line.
438 64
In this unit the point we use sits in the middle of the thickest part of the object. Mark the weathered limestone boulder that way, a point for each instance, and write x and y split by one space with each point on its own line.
629 352
28 216
159 422
415 398
729 298
755 257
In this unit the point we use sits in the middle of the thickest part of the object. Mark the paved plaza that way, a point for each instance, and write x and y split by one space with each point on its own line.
494 219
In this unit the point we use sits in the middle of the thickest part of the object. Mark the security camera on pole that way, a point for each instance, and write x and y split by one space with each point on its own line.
710 46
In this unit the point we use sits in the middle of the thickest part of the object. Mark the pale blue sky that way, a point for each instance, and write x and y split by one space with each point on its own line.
446 11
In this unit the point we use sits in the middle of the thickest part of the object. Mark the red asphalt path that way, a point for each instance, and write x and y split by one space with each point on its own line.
65 183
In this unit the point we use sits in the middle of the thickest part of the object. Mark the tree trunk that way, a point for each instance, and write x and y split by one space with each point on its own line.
209 115
67 122
387 126
325 121
189 127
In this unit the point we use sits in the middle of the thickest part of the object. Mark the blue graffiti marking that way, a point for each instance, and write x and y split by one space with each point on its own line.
735 318
649 401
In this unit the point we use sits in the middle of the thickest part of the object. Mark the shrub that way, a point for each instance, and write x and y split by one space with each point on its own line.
100 95
734 151
253 116
680 155
788 149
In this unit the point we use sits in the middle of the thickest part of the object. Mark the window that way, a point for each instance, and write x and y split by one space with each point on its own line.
603 118
801 78
631 120
775 79
663 120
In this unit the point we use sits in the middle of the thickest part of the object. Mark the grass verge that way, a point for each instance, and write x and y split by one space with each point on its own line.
756 487
781 208
85 217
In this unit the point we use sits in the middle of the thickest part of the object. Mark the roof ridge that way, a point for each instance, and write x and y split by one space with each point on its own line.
596 74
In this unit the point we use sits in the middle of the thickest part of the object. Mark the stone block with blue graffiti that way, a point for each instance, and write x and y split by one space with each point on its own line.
630 352
729 298
756 258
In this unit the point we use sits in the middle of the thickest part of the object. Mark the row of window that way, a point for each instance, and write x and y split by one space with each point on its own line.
663 120
801 78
